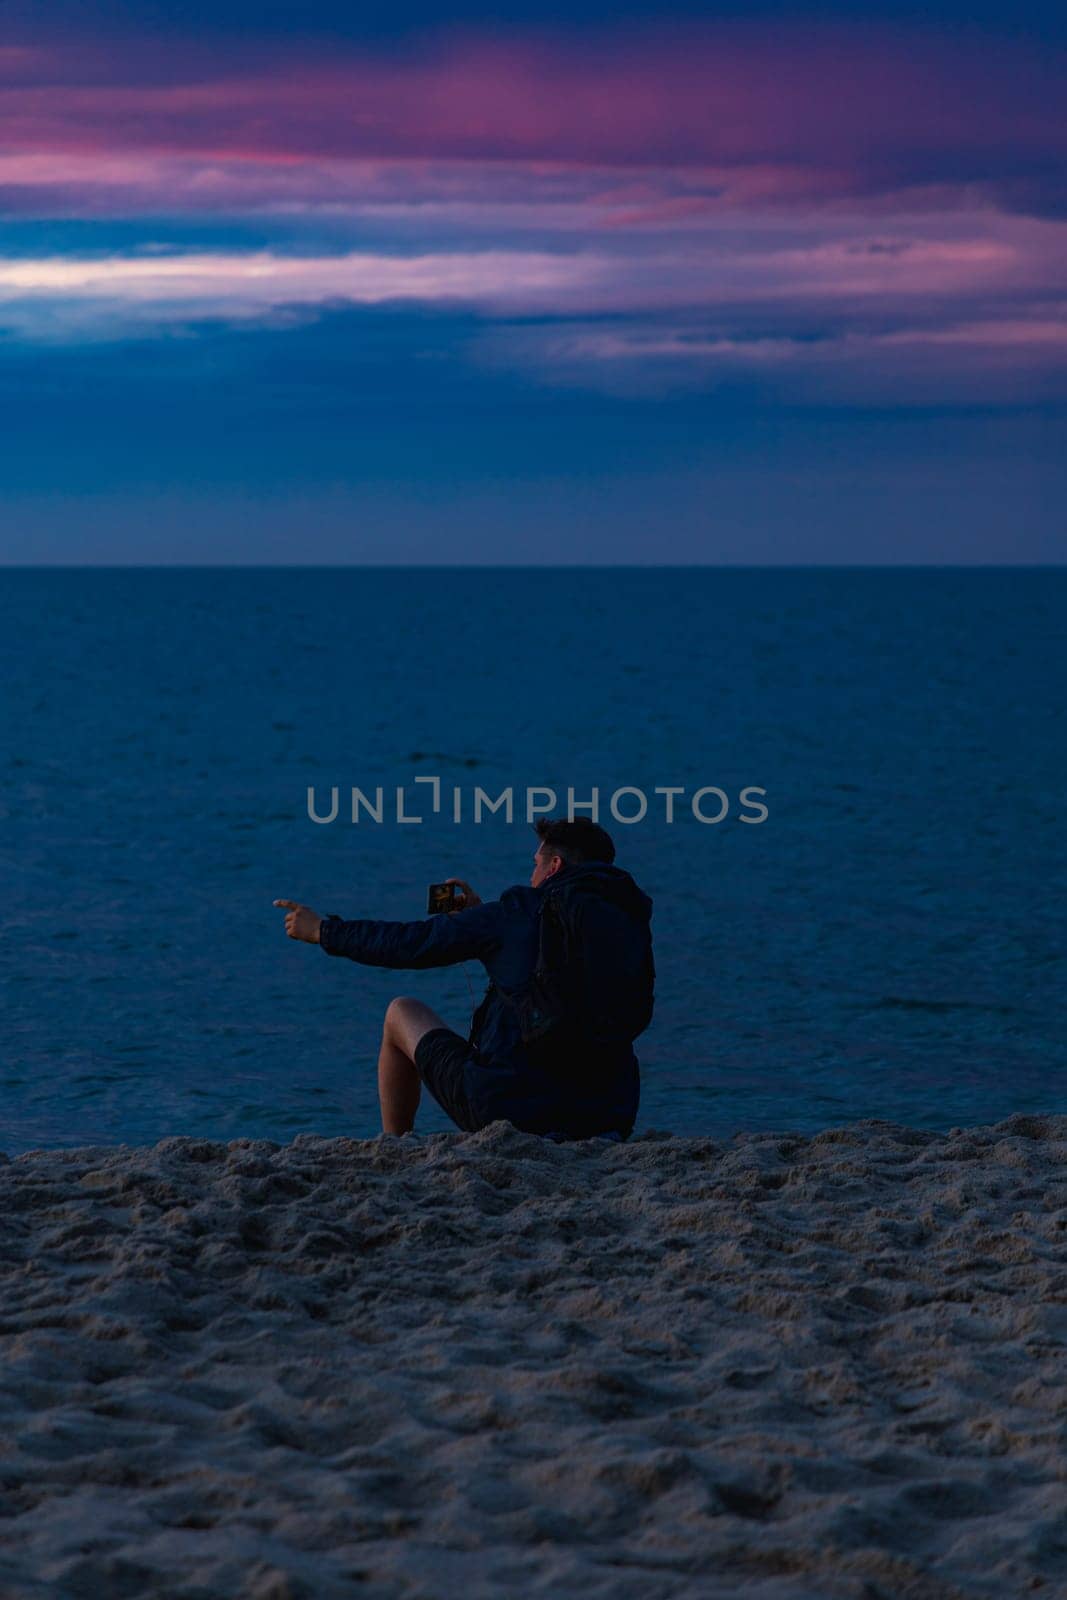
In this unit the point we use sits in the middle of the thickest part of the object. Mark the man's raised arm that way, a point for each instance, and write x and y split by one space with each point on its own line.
436 941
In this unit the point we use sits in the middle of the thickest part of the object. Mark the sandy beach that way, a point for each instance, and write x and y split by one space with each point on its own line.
776 1365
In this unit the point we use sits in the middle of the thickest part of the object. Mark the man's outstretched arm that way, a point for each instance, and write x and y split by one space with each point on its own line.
437 941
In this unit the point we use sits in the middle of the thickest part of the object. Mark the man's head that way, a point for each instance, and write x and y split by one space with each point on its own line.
567 843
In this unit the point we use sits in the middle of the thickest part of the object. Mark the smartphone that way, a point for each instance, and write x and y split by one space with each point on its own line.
443 897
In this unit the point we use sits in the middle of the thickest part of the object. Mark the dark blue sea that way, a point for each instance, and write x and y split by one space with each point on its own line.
890 942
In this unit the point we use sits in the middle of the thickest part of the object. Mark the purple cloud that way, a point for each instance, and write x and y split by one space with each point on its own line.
829 210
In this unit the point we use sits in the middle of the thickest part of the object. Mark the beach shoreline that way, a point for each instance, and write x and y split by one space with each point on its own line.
782 1365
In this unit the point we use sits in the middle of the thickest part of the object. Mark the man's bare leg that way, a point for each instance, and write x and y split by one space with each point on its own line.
399 1088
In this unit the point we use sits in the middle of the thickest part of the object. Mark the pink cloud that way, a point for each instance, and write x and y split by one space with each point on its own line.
782 116
113 295
839 206
959 267
1009 363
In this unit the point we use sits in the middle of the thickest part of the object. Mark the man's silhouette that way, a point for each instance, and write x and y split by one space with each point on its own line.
579 1081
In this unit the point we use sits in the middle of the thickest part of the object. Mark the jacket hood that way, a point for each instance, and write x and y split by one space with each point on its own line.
600 878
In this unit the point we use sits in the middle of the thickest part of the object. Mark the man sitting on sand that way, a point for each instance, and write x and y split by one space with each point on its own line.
569 960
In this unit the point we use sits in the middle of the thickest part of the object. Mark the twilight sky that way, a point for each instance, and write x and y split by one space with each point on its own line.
328 282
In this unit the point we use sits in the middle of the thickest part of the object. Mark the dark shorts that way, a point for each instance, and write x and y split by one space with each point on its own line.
475 1093
441 1060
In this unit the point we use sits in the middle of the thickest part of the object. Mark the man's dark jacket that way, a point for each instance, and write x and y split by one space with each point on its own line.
598 1094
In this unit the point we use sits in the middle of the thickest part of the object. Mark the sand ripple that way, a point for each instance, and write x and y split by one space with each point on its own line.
488 1365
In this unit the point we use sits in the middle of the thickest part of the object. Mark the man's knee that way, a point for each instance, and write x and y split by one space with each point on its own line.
406 1020
397 1011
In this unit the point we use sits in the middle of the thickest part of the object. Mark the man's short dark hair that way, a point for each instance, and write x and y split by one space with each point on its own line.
575 839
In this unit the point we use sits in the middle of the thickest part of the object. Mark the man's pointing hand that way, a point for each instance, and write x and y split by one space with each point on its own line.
300 921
